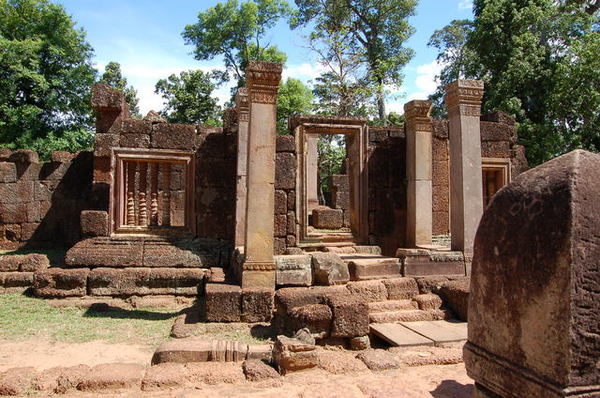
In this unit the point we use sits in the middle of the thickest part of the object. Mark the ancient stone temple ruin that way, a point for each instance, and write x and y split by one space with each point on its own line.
233 214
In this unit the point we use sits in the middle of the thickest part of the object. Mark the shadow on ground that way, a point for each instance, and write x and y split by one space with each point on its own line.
101 310
452 389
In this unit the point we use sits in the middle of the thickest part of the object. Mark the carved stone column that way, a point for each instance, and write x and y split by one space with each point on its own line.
259 267
243 115
418 171
312 165
463 98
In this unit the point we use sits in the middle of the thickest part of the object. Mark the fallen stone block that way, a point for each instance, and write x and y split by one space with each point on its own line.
292 355
326 218
164 376
456 297
113 376
60 283
329 269
428 301
369 291
263 352
350 316
314 317
60 380
257 305
360 343
421 262
430 284
256 370
373 268
294 270
223 303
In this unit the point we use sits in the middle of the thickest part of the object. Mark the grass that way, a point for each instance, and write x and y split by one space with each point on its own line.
23 317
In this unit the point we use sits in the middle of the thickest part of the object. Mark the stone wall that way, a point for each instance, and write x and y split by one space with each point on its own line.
387 188
40 202
286 165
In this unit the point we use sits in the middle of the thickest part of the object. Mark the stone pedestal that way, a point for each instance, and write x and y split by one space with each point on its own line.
418 172
312 166
534 310
243 114
262 83
463 98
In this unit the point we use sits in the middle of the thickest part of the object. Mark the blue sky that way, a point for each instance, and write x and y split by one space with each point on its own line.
144 36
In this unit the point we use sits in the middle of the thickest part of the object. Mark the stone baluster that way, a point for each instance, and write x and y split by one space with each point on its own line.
154 194
143 206
166 197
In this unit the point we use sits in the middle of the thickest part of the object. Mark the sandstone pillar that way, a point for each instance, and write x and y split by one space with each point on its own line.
418 172
463 98
534 309
262 80
243 115
312 165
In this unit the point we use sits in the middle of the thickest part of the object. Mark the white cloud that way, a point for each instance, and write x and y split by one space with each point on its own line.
304 72
424 83
465 5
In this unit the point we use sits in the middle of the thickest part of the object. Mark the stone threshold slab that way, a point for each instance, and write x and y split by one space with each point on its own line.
399 336
439 331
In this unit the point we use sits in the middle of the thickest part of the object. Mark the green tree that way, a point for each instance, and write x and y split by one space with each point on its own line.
113 77
375 31
293 99
189 98
236 31
539 61
46 76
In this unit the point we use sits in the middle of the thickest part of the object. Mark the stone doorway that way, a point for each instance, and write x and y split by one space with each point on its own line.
307 129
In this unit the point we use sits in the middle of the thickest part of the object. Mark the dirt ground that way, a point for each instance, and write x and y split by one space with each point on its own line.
43 354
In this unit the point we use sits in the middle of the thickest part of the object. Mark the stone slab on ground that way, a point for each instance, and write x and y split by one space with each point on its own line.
439 331
113 376
398 335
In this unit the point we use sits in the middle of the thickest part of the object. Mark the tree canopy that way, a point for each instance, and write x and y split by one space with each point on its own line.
113 77
188 98
374 32
46 75
293 99
539 60
236 31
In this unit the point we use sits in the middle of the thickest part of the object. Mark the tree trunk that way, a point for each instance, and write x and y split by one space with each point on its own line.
381 104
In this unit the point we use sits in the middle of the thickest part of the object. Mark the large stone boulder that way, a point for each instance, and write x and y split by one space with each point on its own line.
324 217
534 310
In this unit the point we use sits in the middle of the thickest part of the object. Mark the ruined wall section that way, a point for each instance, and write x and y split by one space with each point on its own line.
440 177
40 202
387 188
286 165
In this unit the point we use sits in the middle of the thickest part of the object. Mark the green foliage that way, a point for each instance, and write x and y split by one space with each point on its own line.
46 76
189 98
539 60
394 119
293 99
234 30
331 151
113 77
372 33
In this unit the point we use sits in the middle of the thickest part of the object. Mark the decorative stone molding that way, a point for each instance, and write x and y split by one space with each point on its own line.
262 80
464 96
242 104
259 266
417 109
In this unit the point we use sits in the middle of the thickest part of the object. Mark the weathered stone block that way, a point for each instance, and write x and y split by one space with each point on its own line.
103 143
145 281
373 268
94 223
33 262
314 317
8 172
285 171
294 270
257 305
57 282
134 140
173 136
420 262
456 297
326 218
17 281
329 269
102 170
286 143
292 355
535 287
280 225
369 291
350 316
113 376
10 263
428 301
24 156
103 252
107 98
136 126
13 213
280 202
291 223
223 303
19 192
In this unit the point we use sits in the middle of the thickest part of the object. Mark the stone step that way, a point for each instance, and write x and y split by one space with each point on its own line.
367 267
392 305
408 316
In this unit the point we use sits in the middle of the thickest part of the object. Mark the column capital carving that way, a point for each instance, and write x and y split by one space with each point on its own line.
242 104
262 80
465 97
417 115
